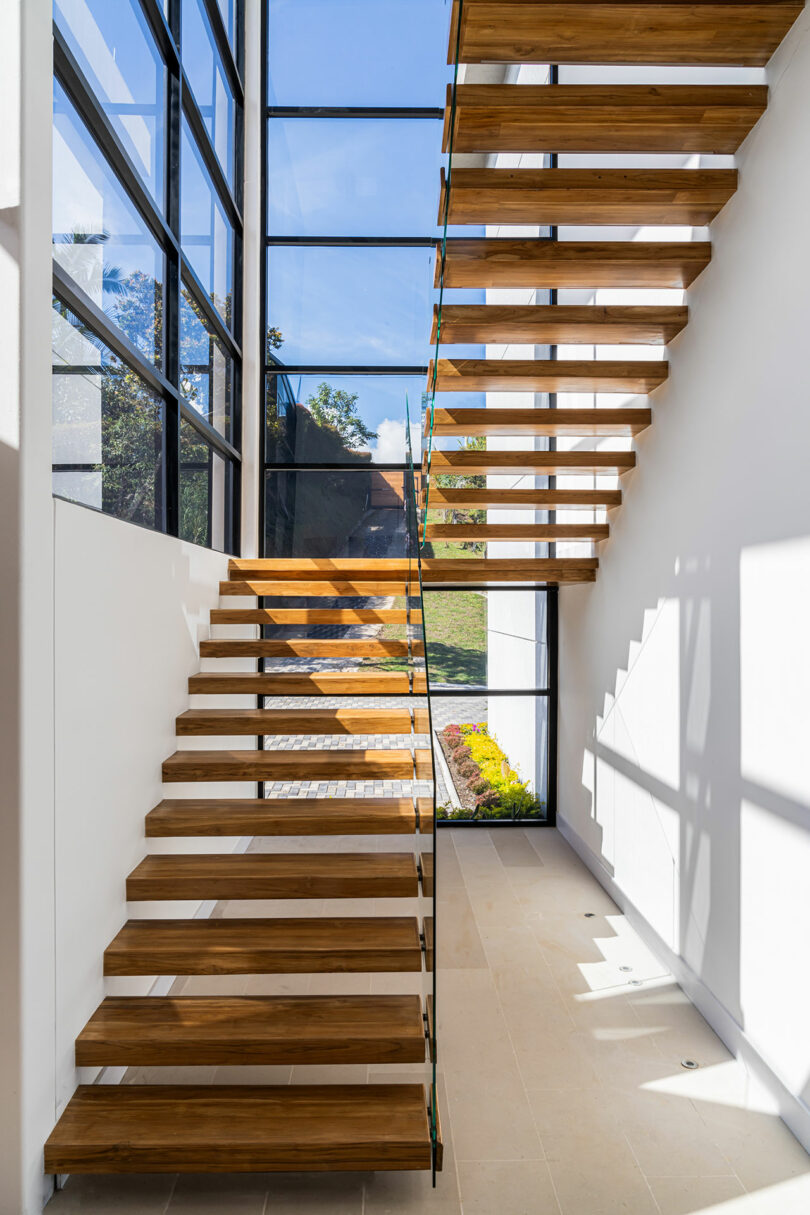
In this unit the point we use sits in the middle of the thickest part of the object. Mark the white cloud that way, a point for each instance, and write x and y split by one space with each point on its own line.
390 445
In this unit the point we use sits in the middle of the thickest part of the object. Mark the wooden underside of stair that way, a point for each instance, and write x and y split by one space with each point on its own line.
259 1030
317 588
516 531
257 946
352 569
288 616
570 422
184 818
308 722
538 263
311 647
547 375
498 570
322 683
734 32
539 463
540 499
305 765
635 197
258 875
559 324
134 1128
603 117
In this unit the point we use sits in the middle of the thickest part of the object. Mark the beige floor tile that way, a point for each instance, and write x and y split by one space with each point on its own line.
579 1125
759 1147
514 1187
315 1194
460 942
667 1136
170 1075
341 984
493 902
344 1073
253 1074
214 985
410 1194
514 849
207 1194
609 1189
686 1195
141 1194
680 1032
490 1115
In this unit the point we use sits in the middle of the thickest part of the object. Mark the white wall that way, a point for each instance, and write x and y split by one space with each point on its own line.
685 670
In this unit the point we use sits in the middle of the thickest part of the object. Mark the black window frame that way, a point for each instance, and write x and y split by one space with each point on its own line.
164 224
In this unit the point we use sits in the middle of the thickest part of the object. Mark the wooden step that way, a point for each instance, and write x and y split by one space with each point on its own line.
184 818
177 1031
516 531
565 422
257 946
318 588
547 375
496 570
144 1128
537 463
736 32
311 647
288 616
603 117
634 197
349 569
258 875
306 683
307 765
427 871
540 499
538 263
558 324
308 722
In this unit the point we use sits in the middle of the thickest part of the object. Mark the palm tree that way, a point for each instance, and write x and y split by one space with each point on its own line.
82 269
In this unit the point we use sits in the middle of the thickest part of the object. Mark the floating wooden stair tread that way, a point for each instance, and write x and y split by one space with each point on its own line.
184 818
586 196
458 422
259 1030
540 463
288 616
349 569
140 1128
558 324
259 875
603 117
539 499
538 263
306 765
308 722
258 946
307 683
317 588
516 531
734 32
547 375
498 570
311 647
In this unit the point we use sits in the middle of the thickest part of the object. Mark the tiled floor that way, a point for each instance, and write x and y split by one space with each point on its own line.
561 1042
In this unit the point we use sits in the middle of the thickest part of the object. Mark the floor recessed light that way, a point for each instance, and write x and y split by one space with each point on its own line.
689 1064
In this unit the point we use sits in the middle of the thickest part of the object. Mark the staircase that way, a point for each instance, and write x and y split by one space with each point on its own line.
295 1001
538 123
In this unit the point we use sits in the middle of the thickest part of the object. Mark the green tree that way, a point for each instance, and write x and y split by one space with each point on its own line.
336 409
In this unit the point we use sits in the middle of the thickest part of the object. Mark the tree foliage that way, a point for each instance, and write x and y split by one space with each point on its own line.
336 409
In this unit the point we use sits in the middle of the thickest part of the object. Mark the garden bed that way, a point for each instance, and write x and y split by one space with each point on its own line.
487 785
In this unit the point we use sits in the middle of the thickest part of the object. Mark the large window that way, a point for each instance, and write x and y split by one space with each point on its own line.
147 234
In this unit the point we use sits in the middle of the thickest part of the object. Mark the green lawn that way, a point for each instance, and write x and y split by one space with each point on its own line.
456 631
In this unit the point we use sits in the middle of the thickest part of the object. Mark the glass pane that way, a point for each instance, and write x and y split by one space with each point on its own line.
116 52
228 10
107 427
353 177
357 306
486 639
209 84
100 239
492 756
206 234
351 513
358 52
333 419
205 492
206 369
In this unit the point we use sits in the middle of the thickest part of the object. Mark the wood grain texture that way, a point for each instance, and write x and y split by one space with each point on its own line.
586 196
258 946
305 765
545 499
324 683
187 817
734 32
477 463
350 569
310 647
140 1128
258 875
317 588
517 531
287 616
559 324
307 722
496 570
547 375
603 117
566 422
178 1031
538 263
